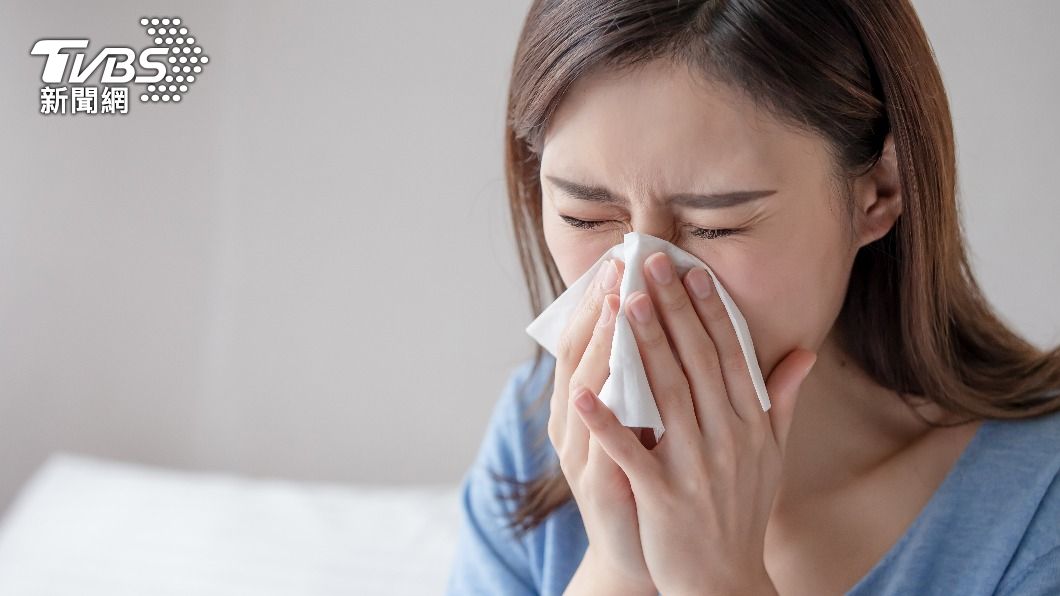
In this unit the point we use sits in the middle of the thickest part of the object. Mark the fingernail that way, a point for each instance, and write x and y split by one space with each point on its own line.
584 401
641 307
609 275
605 312
700 283
660 269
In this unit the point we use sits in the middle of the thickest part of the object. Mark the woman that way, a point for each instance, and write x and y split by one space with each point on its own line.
804 151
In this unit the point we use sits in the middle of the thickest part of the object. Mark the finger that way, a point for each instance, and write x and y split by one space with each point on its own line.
696 352
715 317
665 377
591 372
599 461
621 445
572 344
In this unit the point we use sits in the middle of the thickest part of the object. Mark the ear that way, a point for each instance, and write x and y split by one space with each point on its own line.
878 197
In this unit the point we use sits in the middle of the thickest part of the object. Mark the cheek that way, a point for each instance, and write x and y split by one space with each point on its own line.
574 251
789 294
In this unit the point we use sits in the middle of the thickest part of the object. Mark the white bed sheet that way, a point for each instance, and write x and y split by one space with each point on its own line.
91 527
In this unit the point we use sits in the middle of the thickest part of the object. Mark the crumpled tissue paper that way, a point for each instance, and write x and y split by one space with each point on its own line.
627 391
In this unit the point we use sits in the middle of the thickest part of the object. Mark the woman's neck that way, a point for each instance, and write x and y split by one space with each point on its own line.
845 426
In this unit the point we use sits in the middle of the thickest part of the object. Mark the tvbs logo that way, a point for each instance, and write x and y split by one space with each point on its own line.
119 62
167 69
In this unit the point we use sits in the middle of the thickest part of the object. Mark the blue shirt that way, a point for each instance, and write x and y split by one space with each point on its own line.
992 527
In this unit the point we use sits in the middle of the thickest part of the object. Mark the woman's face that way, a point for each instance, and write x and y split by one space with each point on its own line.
641 137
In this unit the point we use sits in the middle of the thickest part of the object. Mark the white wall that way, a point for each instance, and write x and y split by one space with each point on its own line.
310 274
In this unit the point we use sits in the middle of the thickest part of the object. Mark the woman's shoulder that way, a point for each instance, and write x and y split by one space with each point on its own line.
490 558
523 396
1011 493
516 437
1022 457
1014 464
994 523
1027 448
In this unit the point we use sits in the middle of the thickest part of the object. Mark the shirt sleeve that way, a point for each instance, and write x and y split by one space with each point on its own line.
489 559
1041 577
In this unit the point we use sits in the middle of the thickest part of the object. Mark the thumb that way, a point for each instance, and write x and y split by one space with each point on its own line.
783 387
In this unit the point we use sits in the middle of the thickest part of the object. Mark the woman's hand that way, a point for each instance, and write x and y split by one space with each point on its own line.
704 493
600 488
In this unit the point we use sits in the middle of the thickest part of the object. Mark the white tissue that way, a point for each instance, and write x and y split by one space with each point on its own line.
627 391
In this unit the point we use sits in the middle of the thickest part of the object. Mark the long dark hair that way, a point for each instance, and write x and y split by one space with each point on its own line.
851 71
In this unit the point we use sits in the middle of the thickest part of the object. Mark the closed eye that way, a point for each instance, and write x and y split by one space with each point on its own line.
707 233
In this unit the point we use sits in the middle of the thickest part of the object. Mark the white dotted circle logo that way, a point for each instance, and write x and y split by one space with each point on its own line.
185 56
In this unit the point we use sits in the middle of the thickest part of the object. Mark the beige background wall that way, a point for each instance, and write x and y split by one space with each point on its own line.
305 273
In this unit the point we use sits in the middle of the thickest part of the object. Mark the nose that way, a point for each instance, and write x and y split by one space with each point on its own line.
665 231
659 224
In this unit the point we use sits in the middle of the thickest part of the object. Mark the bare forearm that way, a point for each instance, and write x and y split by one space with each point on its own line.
592 578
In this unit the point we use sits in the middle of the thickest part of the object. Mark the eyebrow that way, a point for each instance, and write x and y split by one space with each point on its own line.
698 201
